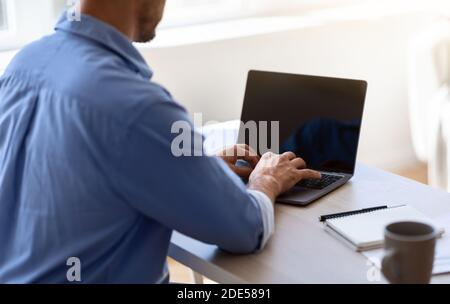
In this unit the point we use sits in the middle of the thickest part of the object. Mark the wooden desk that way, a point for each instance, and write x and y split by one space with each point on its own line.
301 251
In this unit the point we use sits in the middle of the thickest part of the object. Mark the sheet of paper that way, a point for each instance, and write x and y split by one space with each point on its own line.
442 255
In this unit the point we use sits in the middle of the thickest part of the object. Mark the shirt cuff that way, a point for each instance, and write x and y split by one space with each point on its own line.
267 214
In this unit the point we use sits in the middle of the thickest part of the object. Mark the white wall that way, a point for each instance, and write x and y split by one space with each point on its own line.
210 77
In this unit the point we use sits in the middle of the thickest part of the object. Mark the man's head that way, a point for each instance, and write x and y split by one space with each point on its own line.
137 19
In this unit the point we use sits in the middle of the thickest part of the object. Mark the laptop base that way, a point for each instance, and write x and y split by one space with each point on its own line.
300 196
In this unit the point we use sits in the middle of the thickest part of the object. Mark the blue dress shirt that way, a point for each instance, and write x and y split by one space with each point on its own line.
86 168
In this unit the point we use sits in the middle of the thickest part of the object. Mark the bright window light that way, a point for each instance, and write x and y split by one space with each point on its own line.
22 21
3 16
182 12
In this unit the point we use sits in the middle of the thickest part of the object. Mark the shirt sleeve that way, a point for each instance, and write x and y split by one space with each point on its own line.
267 214
196 195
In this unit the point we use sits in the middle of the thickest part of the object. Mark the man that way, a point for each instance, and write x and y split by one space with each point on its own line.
87 177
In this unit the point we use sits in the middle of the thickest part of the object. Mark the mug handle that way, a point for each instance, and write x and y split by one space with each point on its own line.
388 267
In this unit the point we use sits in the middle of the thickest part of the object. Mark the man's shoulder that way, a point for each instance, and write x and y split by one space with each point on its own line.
93 76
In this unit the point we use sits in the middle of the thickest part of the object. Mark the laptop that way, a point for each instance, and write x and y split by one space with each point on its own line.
318 118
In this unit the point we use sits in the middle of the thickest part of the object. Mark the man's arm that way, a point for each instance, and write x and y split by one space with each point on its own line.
196 195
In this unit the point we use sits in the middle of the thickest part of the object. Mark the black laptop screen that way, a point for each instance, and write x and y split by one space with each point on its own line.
319 118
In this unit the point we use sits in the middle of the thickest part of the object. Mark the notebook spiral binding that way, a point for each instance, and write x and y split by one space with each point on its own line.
350 213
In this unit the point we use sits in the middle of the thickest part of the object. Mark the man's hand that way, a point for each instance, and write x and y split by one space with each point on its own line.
244 152
276 174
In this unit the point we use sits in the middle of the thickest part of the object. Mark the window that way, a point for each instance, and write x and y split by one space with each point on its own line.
185 12
3 16
22 21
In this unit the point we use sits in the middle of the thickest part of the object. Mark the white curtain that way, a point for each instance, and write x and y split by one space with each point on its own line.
429 91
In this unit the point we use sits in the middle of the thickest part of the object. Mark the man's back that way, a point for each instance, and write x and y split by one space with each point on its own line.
86 169
56 175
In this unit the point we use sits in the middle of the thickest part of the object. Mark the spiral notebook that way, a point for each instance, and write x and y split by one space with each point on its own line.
364 231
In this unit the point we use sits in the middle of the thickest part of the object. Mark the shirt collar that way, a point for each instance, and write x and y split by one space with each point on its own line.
94 29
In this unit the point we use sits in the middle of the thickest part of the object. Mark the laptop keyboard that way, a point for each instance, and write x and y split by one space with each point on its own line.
319 184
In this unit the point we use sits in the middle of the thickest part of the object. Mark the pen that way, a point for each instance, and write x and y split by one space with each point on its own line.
335 215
